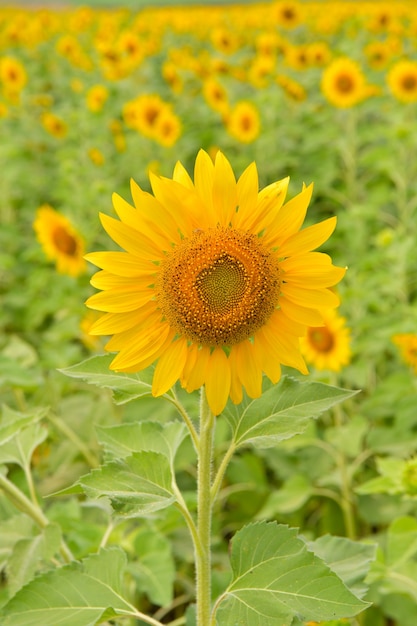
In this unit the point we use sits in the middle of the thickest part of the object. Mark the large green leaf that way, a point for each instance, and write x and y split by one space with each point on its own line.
350 560
28 552
80 594
275 579
20 447
123 439
12 422
282 411
137 485
154 569
95 370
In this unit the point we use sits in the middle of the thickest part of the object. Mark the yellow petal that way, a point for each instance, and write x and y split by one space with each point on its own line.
248 368
314 298
111 323
131 217
270 201
169 367
106 280
308 239
270 364
130 239
120 263
181 175
195 376
300 314
203 181
146 343
182 203
120 300
154 213
285 348
218 379
146 359
224 190
247 196
289 219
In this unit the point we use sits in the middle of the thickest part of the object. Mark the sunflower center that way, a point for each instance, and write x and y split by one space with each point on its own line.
344 83
321 338
409 82
219 286
64 242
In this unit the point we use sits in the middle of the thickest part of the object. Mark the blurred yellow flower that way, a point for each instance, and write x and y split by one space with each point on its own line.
13 75
402 81
217 281
327 347
96 97
343 83
407 344
243 122
60 241
54 125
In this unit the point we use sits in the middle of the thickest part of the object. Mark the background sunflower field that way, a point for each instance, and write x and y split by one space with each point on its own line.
91 96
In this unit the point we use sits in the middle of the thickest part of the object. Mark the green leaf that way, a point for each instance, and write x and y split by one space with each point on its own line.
11 531
125 387
137 485
154 571
80 594
20 448
275 579
27 553
17 375
350 560
121 440
289 498
12 422
283 411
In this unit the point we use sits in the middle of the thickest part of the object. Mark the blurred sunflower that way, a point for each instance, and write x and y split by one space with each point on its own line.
215 95
407 344
54 125
327 347
13 75
167 128
402 80
288 14
243 123
60 241
217 283
96 97
343 83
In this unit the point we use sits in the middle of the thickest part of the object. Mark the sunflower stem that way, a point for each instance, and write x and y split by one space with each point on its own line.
204 513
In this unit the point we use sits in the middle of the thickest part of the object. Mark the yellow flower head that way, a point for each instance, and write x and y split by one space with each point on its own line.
12 74
216 282
60 241
54 125
343 83
167 128
407 344
96 97
243 123
402 81
327 347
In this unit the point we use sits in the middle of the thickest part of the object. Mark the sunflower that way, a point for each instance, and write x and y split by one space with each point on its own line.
216 282
12 74
96 97
60 241
407 344
242 122
54 125
327 347
402 81
343 83
167 128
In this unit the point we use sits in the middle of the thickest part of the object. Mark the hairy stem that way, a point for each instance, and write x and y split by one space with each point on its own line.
204 513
